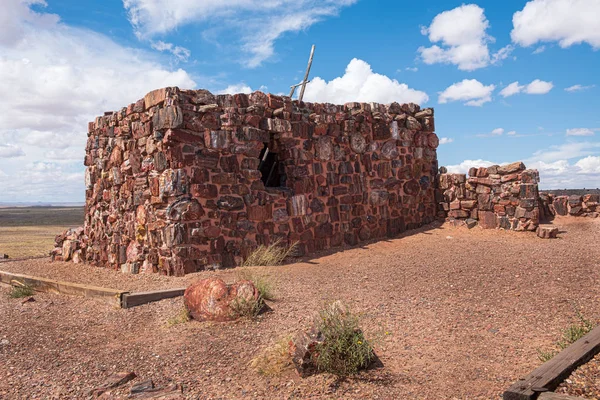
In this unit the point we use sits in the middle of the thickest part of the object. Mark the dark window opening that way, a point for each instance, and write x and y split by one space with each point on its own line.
270 167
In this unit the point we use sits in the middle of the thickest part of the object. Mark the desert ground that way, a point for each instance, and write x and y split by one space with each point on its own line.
454 313
30 231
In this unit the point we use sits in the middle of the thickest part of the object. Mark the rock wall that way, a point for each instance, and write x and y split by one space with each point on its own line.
494 197
574 205
175 182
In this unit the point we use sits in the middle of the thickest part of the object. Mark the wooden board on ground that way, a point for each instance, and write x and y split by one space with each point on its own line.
549 375
136 299
52 286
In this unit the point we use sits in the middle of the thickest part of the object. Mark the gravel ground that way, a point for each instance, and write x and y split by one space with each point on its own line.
465 312
584 381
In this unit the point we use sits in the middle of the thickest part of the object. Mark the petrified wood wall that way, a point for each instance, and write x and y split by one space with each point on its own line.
499 196
174 185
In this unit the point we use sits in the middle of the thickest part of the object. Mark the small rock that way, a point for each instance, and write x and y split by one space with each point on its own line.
301 349
142 386
471 223
29 299
547 231
4 342
113 381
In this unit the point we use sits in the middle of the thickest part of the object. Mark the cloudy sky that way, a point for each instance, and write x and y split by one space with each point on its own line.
509 80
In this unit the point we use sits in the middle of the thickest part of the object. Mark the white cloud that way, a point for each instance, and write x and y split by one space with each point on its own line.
471 91
15 14
580 132
64 77
464 166
511 133
46 181
360 83
589 165
535 87
70 154
539 87
561 174
236 88
511 89
566 22
494 133
566 151
464 44
257 24
502 54
446 140
578 88
181 53
413 69
10 151
539 50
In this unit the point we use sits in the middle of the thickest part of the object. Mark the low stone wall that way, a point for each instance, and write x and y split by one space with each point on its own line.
181 181
574 205
494 197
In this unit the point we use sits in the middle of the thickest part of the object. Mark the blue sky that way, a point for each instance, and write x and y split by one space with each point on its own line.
511 80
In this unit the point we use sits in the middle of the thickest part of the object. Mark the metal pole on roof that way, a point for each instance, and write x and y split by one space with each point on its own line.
305 80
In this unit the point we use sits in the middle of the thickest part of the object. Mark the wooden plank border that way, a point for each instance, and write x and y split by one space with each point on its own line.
7 260
136 299
549 375
120 298
58 287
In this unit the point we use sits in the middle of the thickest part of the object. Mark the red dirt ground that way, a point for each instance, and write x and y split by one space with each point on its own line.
465 312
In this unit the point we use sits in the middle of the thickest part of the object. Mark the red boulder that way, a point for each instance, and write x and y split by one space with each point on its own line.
211 299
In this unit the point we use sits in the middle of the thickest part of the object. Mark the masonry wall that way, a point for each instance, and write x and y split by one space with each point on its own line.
494 197
174 185
575 205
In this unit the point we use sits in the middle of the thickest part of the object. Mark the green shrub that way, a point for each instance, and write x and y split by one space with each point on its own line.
22 290
273 254
344 349
576 331
570 335
544 356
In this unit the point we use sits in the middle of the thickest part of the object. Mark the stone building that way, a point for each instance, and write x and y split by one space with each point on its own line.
184 180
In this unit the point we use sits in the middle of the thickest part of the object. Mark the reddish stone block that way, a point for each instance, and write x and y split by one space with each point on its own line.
487 219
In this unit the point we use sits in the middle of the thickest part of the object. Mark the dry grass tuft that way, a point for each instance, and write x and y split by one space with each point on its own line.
181 317
274 359
570 335
20 291
263 284
273 254
249 308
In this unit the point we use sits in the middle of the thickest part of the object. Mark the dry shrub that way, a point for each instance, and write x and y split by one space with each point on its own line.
274 359
249 308
263 284
273 254
344 349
